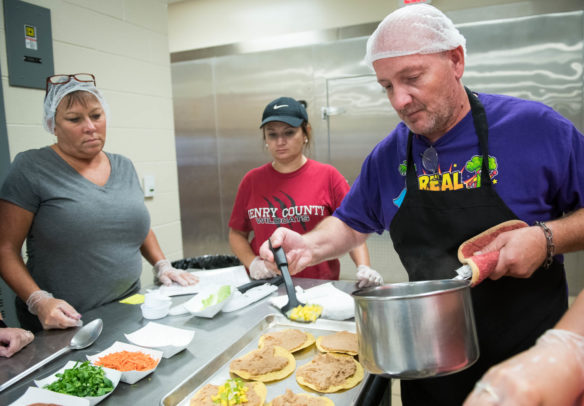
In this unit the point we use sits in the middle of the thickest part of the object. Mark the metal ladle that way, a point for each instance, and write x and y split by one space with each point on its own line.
82 339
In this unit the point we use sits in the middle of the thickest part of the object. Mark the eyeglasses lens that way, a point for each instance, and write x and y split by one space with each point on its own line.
80 77
84 77
59 79
430 159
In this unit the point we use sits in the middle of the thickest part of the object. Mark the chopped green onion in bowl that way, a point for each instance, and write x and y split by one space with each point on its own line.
82 380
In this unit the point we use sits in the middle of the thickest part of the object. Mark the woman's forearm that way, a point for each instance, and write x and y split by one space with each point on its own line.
360 255
15 223
150 249
238 241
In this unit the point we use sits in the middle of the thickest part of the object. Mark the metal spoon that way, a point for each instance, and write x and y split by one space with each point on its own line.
82 339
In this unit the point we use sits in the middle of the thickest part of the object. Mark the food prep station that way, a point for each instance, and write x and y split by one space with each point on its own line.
216 342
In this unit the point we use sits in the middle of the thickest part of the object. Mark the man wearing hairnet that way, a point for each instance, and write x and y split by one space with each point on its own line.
459 163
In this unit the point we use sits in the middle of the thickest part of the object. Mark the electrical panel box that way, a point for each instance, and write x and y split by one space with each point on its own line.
29 44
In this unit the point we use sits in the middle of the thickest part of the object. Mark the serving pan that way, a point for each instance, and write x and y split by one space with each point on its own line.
217 370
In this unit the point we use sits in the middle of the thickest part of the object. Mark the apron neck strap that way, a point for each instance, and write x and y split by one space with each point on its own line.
481 129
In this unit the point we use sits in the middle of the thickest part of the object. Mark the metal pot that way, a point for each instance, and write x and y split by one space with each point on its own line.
417 329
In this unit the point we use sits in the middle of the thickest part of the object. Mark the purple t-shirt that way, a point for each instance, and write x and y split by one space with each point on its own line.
536 163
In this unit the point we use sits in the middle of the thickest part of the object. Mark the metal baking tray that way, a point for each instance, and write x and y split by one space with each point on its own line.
217 370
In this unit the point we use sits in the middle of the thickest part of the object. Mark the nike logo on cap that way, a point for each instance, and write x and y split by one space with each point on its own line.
279 106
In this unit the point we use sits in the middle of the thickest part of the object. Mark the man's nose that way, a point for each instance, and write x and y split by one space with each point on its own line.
400 98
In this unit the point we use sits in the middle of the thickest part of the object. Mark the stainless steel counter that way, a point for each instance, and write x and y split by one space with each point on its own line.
211 337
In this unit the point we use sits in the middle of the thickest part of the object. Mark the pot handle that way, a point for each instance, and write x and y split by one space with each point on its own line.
373 390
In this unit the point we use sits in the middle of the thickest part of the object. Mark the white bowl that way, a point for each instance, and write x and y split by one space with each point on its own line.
111 374
156 299
169 340
129 377
209 301
155 312
45 396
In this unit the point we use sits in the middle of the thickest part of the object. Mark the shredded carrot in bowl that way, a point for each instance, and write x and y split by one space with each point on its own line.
127 361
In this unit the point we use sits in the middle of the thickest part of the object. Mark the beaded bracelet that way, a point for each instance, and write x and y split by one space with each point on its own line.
550 244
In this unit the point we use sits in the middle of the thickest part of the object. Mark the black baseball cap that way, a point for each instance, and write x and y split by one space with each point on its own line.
285 109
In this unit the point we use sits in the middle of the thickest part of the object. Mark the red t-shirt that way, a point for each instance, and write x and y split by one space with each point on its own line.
267 199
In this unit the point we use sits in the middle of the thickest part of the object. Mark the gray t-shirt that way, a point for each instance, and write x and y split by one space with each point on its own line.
84 242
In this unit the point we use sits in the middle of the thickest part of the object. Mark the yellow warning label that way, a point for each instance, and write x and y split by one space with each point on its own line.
30 31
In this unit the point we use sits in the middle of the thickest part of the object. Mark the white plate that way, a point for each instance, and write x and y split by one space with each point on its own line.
196 307
236 275
38 395
169 340
240 300
129 376
111 374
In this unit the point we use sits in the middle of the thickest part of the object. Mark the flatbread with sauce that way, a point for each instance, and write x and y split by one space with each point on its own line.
256 395
266 364
291 339
300 399
330 372
342 342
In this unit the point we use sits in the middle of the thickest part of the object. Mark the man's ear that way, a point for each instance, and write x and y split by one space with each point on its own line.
457 58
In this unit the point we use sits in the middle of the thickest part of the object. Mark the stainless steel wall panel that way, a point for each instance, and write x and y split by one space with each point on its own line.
244 85
537 58
196 151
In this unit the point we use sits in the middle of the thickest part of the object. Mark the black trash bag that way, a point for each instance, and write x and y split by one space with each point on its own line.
207 262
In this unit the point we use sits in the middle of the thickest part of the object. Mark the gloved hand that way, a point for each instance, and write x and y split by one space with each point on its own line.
258 269
166 274
13 340
549 373
52 313
368 277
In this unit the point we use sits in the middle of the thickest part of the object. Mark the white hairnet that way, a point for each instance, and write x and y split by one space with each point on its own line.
58 91
415 29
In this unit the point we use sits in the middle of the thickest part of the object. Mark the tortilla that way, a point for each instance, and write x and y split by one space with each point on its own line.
281 337
270 376
203 395
348 383
290 398
342 342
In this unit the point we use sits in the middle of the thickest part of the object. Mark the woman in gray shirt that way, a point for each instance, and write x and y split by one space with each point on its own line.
82 213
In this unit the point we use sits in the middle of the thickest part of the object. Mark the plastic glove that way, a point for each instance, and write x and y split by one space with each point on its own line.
258 269
368 277
549 373
166 274
52 313
13 340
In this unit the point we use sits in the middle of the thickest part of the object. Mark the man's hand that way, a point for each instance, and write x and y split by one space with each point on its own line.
521 252
298 252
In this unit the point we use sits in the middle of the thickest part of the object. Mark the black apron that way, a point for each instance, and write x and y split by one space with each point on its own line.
510 313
